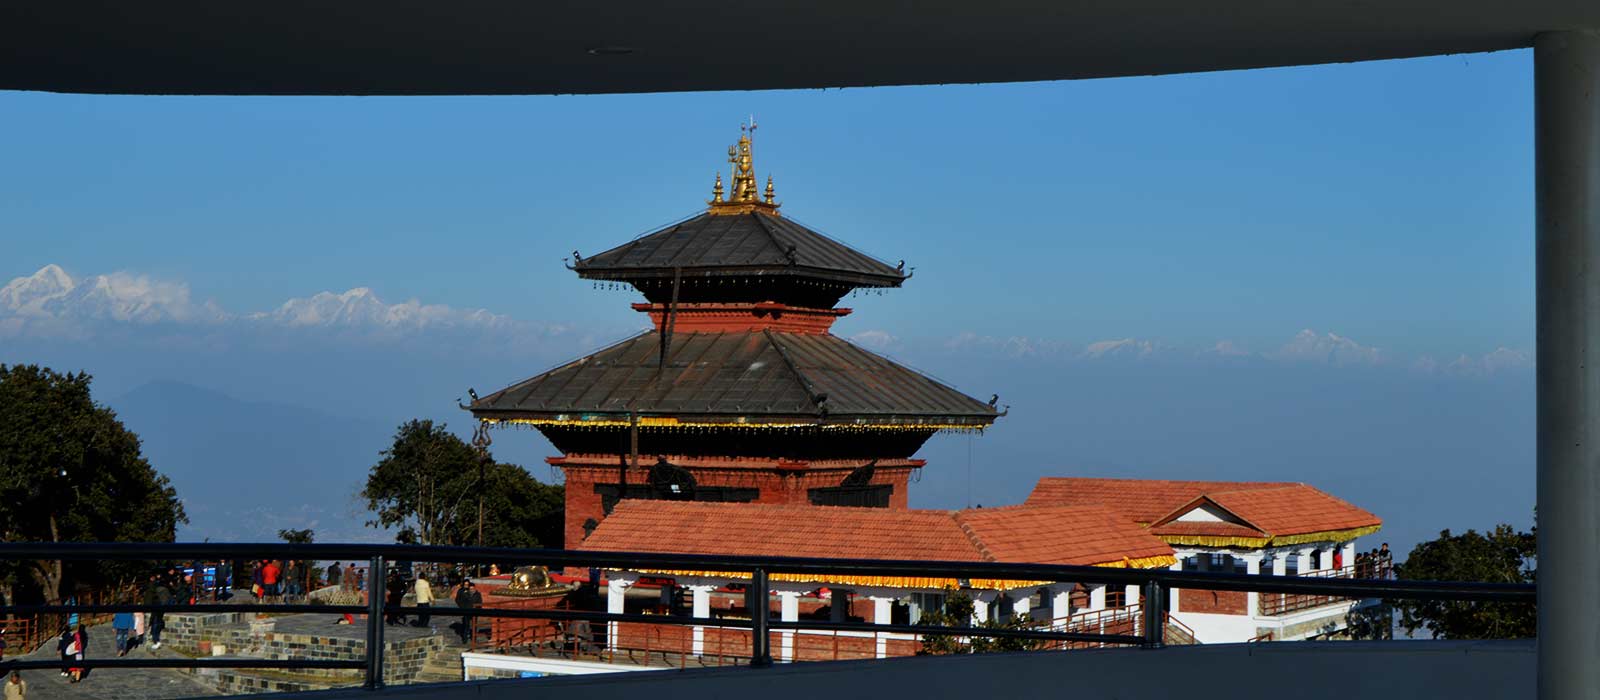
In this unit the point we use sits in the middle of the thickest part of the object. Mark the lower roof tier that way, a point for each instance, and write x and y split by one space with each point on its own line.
765 380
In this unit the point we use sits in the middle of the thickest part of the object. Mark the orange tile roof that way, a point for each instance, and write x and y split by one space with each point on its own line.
1052 535
1294 510
1270 509
1207 529
1143 500
1077 535
751 529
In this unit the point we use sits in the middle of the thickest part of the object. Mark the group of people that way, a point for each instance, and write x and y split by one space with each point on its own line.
72 645
1377 563
466 598
272 580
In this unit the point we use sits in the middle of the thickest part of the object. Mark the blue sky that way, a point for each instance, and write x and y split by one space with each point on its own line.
1390 202
1346 232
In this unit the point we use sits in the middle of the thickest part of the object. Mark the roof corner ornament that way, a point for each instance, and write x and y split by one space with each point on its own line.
995 399
472 393
716 191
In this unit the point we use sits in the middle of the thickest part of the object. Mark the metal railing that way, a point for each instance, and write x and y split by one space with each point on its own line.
1154 584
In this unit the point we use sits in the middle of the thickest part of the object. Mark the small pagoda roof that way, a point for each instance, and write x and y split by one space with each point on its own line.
740 378
742 244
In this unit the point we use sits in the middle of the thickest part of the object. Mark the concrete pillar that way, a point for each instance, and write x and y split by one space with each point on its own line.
882 614
1566 78
616 595
1130 594
1280 564
788 611
1172 593
1252 567
1303 561
1097 596
1061 607
980 609
1349 555
1022 605
701 597
1327 559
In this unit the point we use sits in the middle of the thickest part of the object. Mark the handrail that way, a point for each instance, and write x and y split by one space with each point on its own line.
1148 631
1166 578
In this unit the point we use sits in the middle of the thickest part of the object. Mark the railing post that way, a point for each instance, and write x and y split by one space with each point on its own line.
760 638
375 624
1155 628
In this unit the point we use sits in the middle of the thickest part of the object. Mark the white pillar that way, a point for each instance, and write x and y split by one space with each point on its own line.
1097 596
788 611
1130 594
1349 554
1280 564
1304 561
1022 606
702 610
882 611
1172 593
1252 567
1061 607
616 595
980 609
1327 559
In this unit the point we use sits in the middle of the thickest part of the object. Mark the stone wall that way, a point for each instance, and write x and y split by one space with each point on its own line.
403 660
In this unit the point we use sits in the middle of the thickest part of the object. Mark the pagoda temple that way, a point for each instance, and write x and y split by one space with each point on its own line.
740 393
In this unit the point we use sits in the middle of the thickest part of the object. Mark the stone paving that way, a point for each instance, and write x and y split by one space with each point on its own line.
113 683
165 684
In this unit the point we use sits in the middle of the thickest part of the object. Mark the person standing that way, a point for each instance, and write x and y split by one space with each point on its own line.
224 582
271 579
157 594
122 624
467 598
395 589
75 649
62 645
335 576
424 599
16 688
140 625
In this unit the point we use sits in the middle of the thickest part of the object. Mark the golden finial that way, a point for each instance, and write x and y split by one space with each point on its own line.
743 193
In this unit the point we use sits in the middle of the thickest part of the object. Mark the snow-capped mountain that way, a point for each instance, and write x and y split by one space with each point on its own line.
1329 348
360 307
52 293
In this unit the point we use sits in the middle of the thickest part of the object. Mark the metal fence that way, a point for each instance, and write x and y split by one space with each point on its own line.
1153 583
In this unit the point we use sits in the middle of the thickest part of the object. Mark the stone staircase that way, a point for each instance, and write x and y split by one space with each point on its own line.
444 665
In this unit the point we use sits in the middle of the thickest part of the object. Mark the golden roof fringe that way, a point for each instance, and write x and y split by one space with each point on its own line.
1262 542
1156 562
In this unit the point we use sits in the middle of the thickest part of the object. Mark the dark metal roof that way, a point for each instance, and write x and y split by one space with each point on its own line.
739 244
765 374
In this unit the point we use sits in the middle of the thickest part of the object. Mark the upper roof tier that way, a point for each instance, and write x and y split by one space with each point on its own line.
741 250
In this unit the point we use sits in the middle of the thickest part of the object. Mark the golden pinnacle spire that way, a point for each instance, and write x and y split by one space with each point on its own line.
743 195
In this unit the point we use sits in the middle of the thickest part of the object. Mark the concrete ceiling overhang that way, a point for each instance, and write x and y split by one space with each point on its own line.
437 47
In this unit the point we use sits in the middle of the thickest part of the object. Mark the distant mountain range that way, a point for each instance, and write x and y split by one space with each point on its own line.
246 469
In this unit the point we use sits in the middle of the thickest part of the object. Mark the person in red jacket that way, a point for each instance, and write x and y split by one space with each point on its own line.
271 576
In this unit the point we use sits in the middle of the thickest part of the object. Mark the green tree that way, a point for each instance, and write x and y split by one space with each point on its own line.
70 472
305 536
1502 555
427 484
957 612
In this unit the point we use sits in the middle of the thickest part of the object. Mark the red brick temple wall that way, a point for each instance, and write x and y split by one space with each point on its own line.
777 485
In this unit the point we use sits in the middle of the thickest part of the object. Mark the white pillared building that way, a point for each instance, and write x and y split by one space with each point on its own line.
1278 528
